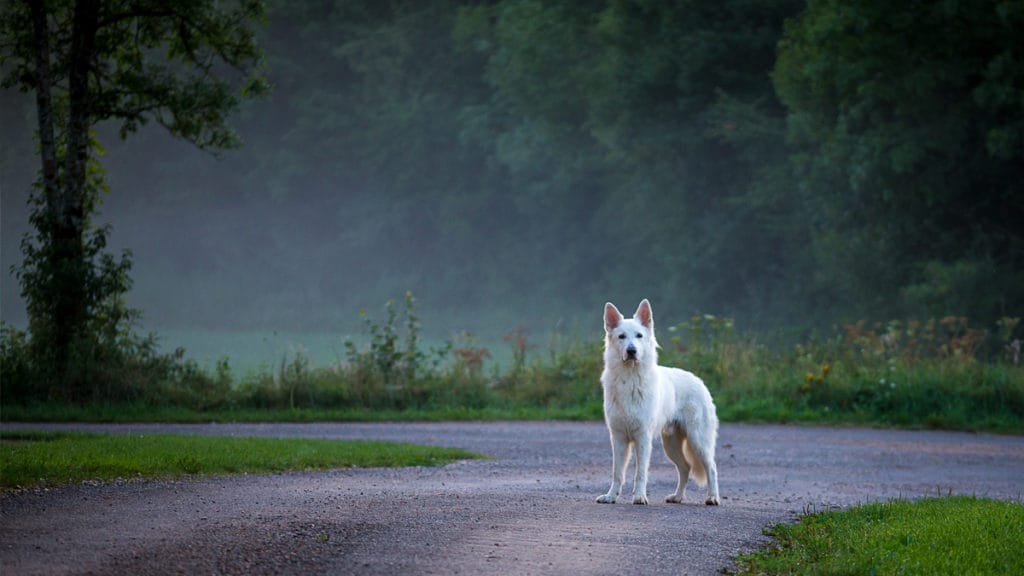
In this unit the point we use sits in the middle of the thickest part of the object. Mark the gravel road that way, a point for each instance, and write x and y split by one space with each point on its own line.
529 510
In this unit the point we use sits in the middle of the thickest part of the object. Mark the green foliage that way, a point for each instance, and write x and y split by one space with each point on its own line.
914 374
63 277
124 370
955 535
15 364
907 153
120 412
149 61
934 374
866 167
86 63
33 459
392 373
510 134
654 110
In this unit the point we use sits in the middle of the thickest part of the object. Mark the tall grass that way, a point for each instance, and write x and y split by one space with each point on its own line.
933 374
915 374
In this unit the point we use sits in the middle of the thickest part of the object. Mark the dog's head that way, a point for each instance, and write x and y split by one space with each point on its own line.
630 340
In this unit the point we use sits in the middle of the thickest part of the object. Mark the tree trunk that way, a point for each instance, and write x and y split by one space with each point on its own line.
64 222
44 107
69 231
57 314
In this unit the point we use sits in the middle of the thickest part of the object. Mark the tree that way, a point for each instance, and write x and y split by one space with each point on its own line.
906 126
657 113
184 65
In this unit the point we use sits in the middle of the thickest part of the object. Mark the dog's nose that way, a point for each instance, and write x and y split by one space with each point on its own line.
631 352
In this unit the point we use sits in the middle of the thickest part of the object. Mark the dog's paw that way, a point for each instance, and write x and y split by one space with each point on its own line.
641 500
713 501
605 499
675 499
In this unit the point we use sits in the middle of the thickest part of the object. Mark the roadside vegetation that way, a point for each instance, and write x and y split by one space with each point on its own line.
941 373
42 459
954 535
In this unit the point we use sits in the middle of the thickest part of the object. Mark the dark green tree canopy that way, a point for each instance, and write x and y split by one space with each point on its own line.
184 65
789 163
88 62
906 125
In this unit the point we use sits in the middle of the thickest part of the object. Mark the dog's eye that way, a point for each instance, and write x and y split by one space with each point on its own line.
639 335
622 336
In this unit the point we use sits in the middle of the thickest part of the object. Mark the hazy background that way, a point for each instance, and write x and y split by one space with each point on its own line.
520 163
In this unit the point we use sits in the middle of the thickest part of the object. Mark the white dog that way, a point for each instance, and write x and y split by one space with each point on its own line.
642 399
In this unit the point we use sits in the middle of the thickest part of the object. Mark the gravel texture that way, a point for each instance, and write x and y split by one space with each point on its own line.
529 510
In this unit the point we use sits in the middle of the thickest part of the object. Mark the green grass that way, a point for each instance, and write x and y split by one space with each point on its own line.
33 459
958 535
938 374
127 413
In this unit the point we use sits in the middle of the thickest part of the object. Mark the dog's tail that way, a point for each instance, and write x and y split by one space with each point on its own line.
697 470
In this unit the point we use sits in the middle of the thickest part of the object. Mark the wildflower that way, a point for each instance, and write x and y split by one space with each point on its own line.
825 369
808 380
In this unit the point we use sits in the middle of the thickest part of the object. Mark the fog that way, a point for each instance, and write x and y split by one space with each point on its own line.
216 249
219 247
214 252
517 165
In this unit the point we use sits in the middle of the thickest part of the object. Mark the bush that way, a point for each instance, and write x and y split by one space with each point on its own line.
127 368
940 373
15 364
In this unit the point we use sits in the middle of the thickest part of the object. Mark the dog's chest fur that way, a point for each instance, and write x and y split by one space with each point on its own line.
632 398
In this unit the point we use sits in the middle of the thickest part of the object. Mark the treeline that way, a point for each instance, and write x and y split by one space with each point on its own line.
783 162
779 161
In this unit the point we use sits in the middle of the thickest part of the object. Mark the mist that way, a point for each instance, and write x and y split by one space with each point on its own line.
516 167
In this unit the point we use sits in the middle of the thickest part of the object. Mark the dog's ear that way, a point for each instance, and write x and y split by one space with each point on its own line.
644 315
612 317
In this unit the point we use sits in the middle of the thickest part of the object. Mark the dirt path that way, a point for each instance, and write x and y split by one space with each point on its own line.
530 510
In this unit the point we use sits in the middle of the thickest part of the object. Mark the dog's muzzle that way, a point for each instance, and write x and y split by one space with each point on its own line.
630 354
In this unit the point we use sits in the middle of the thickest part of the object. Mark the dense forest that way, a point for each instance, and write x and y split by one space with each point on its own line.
786 163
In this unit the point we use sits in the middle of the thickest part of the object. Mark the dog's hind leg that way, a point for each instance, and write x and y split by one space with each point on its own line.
672 442
705 459
620 459
709 464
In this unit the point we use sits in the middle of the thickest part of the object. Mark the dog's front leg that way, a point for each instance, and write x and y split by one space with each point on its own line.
643 462
620 459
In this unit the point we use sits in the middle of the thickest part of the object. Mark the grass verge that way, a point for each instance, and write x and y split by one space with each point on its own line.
954 535
36 459
128 412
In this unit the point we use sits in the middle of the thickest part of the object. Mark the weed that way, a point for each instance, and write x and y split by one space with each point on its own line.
469 358
925 374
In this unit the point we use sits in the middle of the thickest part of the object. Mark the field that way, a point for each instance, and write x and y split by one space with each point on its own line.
936 374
